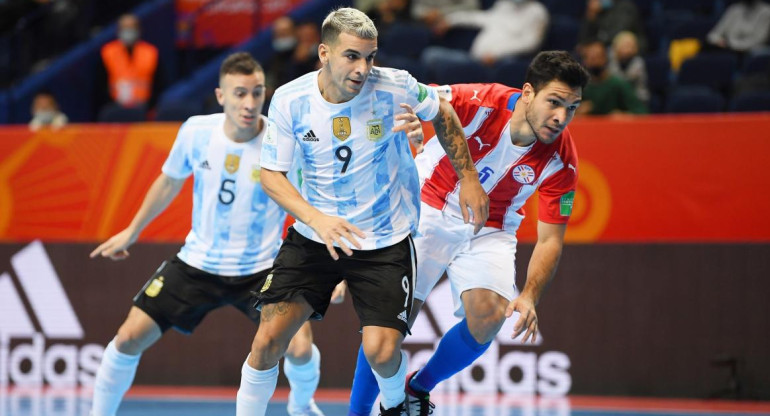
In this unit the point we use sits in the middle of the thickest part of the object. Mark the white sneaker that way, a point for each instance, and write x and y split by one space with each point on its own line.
310 410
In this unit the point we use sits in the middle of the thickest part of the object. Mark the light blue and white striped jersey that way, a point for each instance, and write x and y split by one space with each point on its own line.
236 227
353 165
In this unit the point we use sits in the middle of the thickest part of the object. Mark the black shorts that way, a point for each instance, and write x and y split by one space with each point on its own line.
179 295
381 282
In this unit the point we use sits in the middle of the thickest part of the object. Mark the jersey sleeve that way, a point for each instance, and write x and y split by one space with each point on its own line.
278 144
423 99
178 164
557 193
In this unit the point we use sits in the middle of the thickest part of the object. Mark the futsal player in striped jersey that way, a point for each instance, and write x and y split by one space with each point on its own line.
520 143
235 236
358 206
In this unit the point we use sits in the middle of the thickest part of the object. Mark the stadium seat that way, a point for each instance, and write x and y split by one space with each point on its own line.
467 72
405 40
658 73
114 113
715 70
413 66
570 8
510 72
689 27
178 110
751 101
562 33
694 100
458 38
757 62
691 7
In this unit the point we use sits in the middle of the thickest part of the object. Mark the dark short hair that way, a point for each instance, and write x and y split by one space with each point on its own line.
548 66
240 63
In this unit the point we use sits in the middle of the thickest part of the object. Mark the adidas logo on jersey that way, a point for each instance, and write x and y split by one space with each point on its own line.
310 137
402 316
205 165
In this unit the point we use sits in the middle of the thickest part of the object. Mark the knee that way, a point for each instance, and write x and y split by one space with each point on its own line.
129 342
300 348
485 320
265 352
382 354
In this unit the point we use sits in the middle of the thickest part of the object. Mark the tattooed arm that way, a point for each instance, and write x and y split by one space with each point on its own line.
449 133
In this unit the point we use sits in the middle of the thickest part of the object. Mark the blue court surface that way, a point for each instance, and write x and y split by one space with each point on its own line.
202 401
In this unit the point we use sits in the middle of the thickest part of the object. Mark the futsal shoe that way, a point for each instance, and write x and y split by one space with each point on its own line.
399 410
418 403
310 410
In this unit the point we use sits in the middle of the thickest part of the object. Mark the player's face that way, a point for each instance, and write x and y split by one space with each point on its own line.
348 62
242 97
551 109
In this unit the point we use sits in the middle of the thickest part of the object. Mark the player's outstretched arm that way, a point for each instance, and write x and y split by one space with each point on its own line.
331 229
160 194
450 134
411 125
542 266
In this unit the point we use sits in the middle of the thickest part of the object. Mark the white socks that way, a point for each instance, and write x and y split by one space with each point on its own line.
392 388
303 379
257 387
114 377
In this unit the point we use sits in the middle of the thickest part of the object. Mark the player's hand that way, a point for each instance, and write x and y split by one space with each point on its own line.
338 296
474 202
116 247
527 319
411 125
336 230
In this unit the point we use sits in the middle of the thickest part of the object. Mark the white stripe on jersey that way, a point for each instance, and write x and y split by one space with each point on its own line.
236 227
353 166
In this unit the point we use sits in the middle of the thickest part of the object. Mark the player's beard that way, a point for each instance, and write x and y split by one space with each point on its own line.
527 113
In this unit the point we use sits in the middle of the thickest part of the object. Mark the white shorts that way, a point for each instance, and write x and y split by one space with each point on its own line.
444 243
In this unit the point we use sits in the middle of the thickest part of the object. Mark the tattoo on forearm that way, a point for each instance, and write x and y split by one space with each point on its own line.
272 310
450 135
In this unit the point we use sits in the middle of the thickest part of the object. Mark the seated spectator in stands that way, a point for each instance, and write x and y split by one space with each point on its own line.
384 13
130 67
606 93
744 26
604 19
46 113
295 51
433 12
509 29
626 63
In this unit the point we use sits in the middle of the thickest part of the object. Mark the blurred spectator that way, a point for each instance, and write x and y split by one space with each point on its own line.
433 12
296 51
626 63
606 93
46 113
385 13
744 26
604 19
130 67
509 29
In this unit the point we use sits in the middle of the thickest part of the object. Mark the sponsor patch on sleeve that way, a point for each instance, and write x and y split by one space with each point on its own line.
423 92
565 204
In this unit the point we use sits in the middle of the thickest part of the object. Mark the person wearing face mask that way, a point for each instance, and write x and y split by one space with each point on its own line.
130 67
45 113
295 52
604 19
626 63
606 93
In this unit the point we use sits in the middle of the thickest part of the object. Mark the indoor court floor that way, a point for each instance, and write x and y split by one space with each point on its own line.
207 401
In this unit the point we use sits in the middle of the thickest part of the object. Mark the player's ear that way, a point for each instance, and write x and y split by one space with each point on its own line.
220 96
323 53
527 92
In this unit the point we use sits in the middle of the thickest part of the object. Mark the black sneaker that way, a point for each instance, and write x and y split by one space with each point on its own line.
399 410
418 403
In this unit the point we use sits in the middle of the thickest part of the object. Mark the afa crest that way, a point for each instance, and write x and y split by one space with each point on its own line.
232 162
374 129
267 283
256 173
154 288
341 128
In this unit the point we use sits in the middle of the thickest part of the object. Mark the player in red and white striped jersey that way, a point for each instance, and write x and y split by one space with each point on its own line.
519 142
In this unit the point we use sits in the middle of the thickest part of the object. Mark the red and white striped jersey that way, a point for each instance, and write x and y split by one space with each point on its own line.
508 173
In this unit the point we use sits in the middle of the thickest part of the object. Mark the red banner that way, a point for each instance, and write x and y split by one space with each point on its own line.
220 23
648 179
